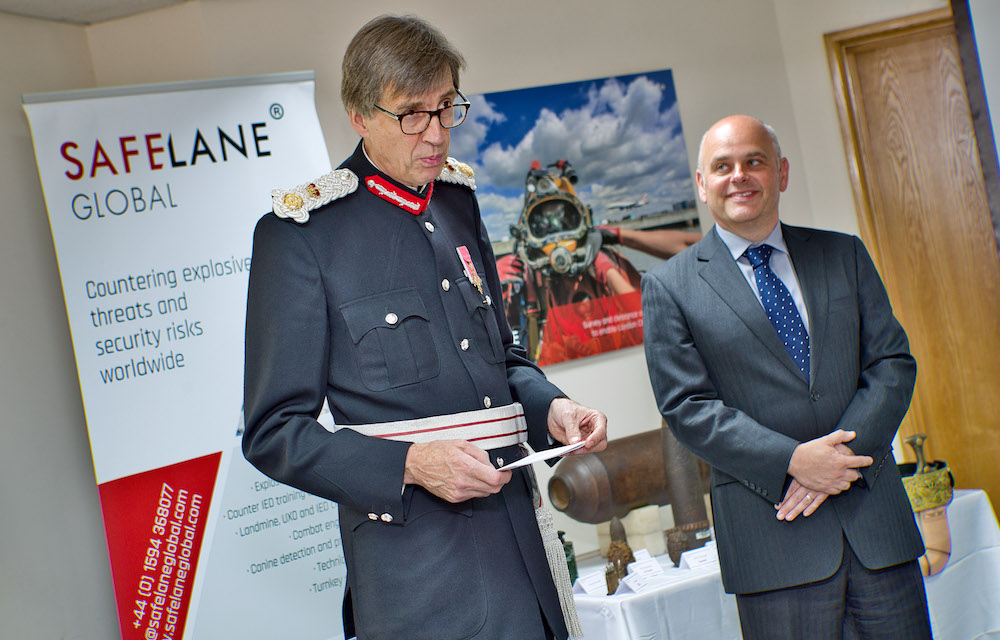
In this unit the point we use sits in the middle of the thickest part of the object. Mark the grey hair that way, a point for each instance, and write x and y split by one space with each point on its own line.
774 138
395 55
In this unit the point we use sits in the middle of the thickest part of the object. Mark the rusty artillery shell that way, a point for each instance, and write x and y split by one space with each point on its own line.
627 475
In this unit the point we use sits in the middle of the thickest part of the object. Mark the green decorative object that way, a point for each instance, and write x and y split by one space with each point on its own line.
570 556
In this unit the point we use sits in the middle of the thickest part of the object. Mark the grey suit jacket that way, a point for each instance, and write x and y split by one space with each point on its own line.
731 393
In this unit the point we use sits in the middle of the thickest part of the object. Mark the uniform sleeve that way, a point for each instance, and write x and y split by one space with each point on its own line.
287 352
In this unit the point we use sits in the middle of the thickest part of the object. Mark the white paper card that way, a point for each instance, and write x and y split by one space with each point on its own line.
592 584
638 583
543 455
699 557
642 554
648 567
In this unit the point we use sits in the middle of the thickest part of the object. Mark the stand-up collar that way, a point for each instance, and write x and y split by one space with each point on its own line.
385 187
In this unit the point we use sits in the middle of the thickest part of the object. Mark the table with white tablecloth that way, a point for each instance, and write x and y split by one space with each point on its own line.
689 604
965 597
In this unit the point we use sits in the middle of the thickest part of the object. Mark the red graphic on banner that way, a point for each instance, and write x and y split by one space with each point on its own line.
591 327
155 522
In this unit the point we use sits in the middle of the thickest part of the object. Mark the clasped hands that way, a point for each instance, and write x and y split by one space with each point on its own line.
456 470
820 468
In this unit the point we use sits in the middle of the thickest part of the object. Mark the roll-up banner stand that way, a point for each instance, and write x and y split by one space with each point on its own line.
152 194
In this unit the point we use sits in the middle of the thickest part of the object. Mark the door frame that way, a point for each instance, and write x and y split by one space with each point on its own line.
840 47
982 122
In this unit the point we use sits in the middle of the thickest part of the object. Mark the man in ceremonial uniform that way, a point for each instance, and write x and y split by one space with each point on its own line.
374 288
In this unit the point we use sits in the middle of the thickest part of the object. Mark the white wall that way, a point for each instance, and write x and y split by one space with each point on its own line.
54 575
763 57
822 164
985 16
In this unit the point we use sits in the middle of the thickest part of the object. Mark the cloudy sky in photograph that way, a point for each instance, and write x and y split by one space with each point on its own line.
621 134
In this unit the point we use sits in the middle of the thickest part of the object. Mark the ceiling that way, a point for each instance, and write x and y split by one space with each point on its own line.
81 11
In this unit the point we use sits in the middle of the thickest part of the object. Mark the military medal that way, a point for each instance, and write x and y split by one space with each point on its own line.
470 268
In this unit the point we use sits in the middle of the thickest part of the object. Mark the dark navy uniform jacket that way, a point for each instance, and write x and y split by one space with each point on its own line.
366 305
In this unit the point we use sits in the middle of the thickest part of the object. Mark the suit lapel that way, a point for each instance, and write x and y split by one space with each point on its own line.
719 270
808 259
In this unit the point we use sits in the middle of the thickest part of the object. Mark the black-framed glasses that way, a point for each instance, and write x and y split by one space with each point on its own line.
413 122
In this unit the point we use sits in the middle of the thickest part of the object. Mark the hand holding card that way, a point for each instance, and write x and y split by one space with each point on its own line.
543 455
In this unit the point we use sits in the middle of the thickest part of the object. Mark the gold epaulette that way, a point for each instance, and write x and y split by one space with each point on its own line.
298 202
458 173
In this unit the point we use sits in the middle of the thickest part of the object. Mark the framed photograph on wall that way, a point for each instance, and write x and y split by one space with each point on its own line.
582 186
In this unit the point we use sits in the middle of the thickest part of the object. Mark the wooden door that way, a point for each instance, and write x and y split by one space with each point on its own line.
923 213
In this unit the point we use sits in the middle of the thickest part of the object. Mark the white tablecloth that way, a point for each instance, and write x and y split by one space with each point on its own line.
694 607
964 599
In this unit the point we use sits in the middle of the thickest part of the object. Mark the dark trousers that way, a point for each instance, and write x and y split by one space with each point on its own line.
853 603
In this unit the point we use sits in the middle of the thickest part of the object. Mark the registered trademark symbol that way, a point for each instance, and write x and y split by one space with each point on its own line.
277 111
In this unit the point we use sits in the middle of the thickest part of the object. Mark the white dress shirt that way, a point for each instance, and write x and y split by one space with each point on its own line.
781 265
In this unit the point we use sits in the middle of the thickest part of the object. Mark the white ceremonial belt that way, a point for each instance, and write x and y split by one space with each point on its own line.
486 428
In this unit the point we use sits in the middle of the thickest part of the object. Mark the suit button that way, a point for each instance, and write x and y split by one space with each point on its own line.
373 516
429 227
386 517
489 301
391 318
464 344
814 395
487 402
445 284
499 462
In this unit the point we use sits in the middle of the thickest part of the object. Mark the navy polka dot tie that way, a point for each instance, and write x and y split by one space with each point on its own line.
780 307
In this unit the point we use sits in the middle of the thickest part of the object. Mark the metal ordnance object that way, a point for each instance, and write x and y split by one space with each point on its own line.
687 498
598 486
619 556
684 482
916 442
632 472
929 486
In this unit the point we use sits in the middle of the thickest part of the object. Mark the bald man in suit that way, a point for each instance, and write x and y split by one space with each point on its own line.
775 356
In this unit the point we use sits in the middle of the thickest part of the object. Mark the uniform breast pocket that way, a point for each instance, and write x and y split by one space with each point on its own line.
392 339
485 332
